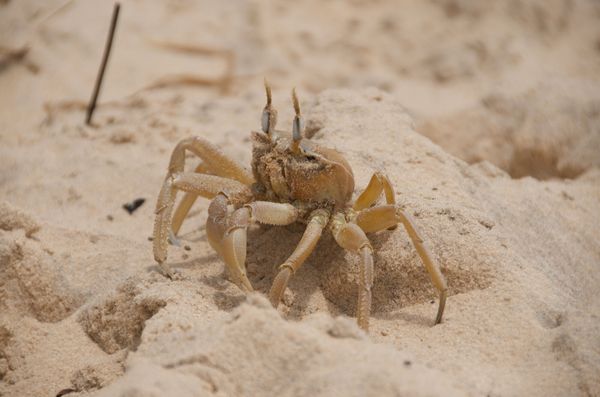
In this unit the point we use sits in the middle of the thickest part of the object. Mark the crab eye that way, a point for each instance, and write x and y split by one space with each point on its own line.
266 121
297 128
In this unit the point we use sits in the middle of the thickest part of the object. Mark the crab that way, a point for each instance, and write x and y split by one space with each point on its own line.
292 180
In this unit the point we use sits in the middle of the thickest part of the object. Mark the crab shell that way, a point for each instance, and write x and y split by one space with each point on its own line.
308 173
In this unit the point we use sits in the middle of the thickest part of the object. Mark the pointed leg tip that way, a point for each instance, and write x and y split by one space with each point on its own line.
442 305
280 284
168 273
364 325
245 285
173 240
274 298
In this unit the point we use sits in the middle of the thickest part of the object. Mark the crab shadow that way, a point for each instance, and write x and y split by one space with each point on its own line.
334 263
409 318
400 278
268 248
331 273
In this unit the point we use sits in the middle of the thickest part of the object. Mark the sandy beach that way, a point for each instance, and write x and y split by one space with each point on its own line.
485 116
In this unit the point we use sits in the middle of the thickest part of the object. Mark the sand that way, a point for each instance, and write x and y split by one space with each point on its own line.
484 116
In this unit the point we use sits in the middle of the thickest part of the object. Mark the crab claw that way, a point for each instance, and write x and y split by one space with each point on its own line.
234 255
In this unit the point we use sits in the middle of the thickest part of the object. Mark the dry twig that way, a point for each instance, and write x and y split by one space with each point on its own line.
107 47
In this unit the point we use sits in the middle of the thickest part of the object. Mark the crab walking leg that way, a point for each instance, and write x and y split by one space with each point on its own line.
352 238
379 182
164 207
186 203
204 185
233 240
213 161
317 221
379 218
212 156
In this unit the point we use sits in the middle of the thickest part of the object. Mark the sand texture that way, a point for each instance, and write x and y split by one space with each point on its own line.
485 116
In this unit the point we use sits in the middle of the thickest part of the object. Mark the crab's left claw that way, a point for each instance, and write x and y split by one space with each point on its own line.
234 255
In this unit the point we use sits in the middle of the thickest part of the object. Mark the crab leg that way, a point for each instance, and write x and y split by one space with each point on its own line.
214 161
204 185
186 203
227 233
379 183
213 158
317 221
382 217
352 238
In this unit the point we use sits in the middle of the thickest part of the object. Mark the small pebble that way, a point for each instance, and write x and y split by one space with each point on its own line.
109 217
187 248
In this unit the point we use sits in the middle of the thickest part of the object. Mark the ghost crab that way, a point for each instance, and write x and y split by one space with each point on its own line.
292 180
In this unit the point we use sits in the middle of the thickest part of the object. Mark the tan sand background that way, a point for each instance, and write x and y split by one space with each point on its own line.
485 116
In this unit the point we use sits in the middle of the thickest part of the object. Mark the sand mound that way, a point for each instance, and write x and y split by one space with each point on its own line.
400 279
29 272
520 316
551 131
12 218
117 322
254 349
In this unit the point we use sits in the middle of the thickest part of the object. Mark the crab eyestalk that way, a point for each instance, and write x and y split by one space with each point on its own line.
269 114
298 125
